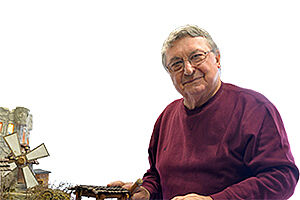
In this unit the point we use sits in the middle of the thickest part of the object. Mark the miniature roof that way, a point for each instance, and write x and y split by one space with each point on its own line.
41 171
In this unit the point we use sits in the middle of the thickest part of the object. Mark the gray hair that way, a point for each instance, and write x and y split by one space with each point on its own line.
184 31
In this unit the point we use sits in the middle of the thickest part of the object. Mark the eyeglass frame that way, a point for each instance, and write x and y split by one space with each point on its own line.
189 60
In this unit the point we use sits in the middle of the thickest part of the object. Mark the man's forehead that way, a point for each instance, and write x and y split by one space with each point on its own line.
187 45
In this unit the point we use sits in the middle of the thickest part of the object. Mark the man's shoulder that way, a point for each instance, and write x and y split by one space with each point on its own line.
172 108
169 110
176 104
250 103
245 94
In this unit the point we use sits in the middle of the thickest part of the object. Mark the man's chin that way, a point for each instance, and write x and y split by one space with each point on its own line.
194 89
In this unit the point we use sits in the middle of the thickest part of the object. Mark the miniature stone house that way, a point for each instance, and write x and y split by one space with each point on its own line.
18 120
42 176
5 120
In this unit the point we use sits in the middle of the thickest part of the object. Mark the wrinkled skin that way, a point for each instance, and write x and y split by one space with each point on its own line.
197 84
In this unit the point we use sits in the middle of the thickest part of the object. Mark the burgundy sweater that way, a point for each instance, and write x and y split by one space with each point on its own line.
232 147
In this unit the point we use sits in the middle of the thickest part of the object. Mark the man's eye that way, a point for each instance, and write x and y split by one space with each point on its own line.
198 57
176 65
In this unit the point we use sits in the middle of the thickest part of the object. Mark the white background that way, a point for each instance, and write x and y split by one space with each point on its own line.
91 74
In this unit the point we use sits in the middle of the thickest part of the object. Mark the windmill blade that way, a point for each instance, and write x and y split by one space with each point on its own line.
29 177
13 143
12 166
38 152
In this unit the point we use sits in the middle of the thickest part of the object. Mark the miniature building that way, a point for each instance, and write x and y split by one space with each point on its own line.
23 124
42 176
4 121
18 120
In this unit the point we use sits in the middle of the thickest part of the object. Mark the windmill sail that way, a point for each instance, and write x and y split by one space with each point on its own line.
13 143
38 152
29 177
12 166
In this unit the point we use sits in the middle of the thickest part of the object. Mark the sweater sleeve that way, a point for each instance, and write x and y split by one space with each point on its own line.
269 158
151 179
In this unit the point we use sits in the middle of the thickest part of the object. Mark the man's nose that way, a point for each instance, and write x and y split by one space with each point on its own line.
188 68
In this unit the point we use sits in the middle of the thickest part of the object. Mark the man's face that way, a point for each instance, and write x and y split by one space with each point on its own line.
194 81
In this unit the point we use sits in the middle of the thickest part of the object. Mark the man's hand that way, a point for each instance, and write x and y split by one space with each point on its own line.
140 194
192 197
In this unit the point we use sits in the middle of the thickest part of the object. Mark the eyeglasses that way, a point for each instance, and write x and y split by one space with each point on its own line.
195 59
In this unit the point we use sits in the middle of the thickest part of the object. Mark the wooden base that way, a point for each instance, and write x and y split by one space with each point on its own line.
100 193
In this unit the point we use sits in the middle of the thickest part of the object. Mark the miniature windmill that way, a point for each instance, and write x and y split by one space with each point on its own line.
21 160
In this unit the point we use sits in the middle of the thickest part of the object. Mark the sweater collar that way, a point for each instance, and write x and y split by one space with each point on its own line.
207 103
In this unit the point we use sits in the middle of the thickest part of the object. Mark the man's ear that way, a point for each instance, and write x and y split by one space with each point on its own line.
218 56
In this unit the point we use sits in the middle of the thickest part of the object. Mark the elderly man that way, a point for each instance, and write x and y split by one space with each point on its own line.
220 141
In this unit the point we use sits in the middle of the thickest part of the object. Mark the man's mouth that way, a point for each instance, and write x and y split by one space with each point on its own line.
192 80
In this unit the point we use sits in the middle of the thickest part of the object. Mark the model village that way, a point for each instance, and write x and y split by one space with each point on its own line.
19 177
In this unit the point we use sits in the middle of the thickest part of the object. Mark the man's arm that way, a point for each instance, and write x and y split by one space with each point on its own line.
151 178
269 157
